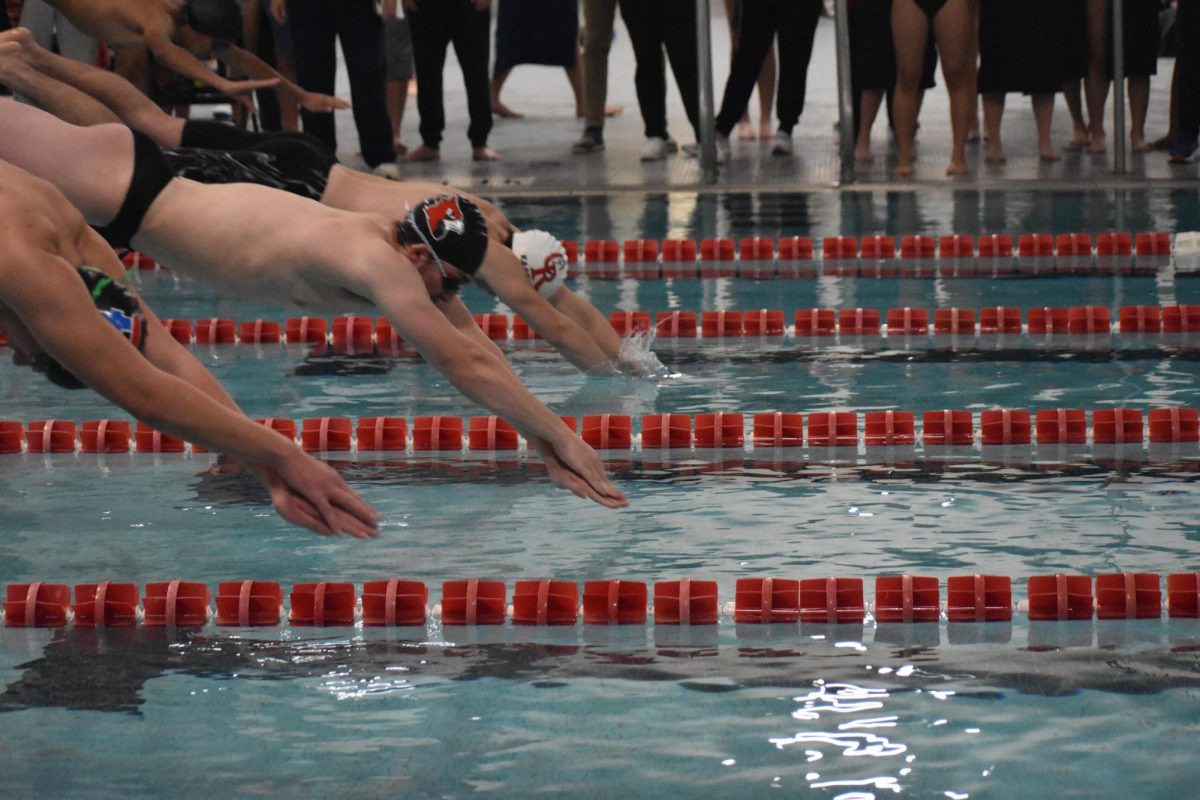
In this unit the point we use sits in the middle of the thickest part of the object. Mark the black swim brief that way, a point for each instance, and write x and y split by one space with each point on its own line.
290 165
151 174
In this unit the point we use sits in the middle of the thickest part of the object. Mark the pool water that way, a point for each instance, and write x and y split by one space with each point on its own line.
1091 709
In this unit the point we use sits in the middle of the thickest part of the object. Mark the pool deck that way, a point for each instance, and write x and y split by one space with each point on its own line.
538 160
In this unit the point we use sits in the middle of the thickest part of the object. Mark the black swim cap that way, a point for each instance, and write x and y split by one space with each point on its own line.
453 228
117 306
220 19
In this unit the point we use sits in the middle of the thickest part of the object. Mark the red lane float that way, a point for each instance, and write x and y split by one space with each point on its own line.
974 598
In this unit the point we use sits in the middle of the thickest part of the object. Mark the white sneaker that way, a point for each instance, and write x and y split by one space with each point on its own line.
655 149
723 149
387 169
781 145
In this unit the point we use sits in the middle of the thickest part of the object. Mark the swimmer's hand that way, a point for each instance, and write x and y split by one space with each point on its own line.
575 466
309 493
320 103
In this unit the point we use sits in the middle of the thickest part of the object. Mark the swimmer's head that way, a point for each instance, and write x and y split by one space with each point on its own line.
544 259
116 305
453 230
220 19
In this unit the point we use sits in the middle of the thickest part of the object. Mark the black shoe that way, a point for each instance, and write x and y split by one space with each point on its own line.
592 141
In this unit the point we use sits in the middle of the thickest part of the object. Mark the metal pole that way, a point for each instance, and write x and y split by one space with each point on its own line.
845 90
708 141
1118 59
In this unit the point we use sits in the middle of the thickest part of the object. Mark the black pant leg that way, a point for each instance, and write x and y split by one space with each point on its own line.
642 21
312 26
755 35
430 35
1187 28
360 30
679 36
797 27
471 35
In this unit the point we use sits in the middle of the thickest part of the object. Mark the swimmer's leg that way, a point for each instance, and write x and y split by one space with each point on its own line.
18 73
120 96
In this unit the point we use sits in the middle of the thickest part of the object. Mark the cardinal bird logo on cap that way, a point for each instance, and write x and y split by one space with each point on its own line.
554 263
445 217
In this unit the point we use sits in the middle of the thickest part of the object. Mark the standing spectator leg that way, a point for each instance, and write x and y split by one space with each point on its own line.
430 27
956 27
798 27
679 37
597 41
757 31
313 26
910 29
471 35
1188 64
642 19
360 30
1095 85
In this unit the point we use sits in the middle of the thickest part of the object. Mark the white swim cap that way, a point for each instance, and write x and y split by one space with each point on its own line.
544 259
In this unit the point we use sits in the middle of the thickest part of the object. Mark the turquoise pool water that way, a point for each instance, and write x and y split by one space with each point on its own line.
1096 709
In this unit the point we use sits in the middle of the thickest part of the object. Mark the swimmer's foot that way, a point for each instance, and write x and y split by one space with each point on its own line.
746 130
484 154
862 154
612 111
400 147
993 154
1096 144
1138 144
765 131
903 170
423 153
956 168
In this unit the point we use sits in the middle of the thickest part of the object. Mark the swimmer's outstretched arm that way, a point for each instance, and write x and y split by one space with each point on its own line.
59 314
157 37
243 62
376 271
503 272
586 316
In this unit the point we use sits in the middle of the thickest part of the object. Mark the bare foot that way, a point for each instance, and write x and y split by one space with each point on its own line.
612 111
973 135
1138 144
400 147
484 154
765 131
423 153
1096 144
1165 143
501 110
746 130
1078 142
862 154
956 168
993 154
903 171
1046 152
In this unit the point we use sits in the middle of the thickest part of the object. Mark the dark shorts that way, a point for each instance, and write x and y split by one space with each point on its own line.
151 174
290 165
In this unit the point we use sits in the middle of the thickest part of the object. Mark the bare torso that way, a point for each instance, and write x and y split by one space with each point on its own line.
260 243
120 23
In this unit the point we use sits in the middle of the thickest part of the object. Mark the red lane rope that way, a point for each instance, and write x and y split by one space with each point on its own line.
768 430
1072 326
683 601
